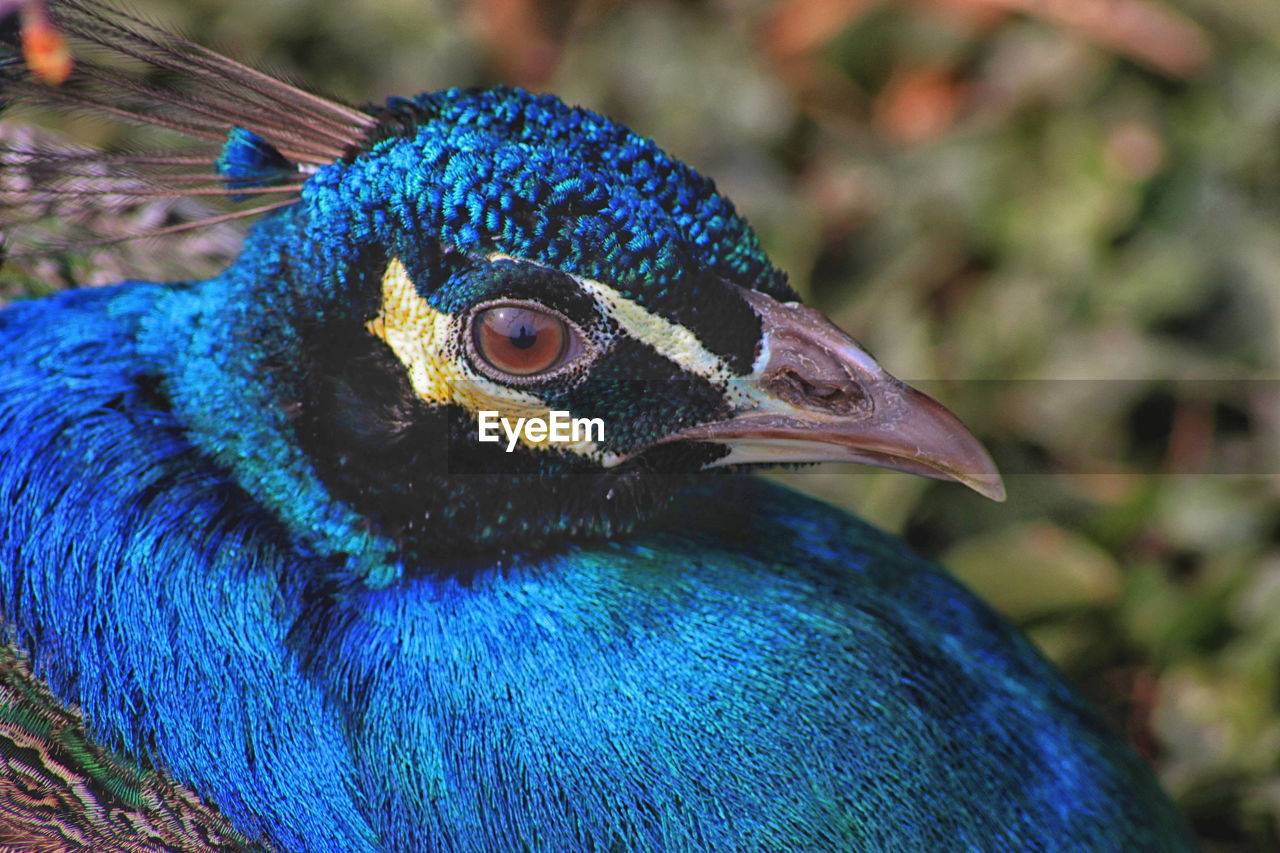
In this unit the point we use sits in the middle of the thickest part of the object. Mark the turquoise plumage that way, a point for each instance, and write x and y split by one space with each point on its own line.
269 589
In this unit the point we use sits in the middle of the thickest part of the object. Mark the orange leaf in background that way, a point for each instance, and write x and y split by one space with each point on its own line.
525 38
43 47
800 27
971 15
792 35
1145 30
920 105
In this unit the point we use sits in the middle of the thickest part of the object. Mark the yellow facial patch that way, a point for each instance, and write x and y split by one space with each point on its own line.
428 343
421 337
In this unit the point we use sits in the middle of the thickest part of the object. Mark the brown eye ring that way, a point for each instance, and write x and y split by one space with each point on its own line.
523 340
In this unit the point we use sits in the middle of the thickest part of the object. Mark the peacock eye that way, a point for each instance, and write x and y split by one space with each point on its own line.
521 340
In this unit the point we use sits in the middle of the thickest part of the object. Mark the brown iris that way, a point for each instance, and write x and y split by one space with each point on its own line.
520 341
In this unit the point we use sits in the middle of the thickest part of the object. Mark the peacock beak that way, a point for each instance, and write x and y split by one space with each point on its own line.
820 397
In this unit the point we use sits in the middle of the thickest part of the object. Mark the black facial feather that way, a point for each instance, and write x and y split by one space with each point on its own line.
415 469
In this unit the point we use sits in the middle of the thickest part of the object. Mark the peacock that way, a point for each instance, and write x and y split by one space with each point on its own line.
429 523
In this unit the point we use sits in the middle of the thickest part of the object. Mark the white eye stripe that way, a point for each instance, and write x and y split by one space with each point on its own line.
671 340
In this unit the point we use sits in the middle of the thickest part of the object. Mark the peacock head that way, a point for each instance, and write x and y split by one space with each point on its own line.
542 324
494 320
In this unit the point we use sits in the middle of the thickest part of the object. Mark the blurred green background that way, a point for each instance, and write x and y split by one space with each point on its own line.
1061 217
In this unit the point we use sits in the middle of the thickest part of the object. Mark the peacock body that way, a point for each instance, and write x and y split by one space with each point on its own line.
283 597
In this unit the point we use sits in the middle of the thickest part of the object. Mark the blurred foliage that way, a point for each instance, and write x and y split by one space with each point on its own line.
1059 216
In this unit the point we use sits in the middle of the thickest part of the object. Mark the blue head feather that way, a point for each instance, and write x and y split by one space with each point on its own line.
505 171
248 161
459 176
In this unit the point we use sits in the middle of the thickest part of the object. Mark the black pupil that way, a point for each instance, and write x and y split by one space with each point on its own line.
524 337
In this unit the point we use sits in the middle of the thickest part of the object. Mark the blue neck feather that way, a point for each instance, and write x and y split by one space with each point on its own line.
507 707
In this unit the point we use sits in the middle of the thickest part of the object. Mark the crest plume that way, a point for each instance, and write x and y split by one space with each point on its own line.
239 132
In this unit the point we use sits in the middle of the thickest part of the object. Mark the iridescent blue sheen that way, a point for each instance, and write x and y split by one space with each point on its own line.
247 161
748 670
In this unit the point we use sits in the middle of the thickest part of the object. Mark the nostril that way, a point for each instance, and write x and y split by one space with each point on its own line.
837 398
823 391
